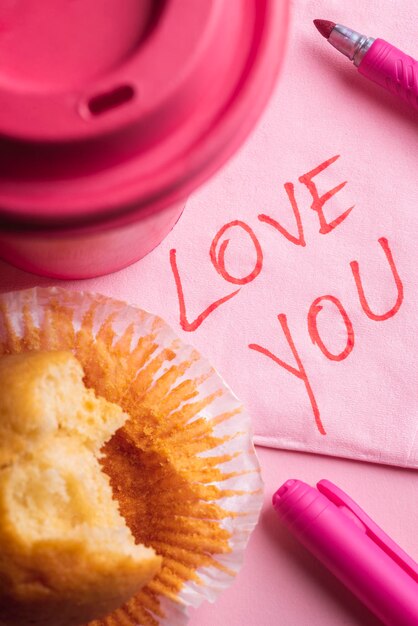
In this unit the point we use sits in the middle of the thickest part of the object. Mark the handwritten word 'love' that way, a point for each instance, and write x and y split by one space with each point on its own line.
217 256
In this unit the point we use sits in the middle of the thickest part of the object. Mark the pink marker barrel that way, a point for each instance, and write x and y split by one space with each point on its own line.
113 111
376 573
392 69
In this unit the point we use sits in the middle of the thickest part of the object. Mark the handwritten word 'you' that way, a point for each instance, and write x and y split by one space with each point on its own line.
217 256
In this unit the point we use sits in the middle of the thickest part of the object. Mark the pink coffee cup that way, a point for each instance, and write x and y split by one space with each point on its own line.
113 111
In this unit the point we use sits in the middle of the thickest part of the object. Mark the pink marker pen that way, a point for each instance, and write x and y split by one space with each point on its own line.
344 538
376 59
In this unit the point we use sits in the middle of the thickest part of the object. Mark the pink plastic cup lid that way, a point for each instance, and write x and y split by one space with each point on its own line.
108 107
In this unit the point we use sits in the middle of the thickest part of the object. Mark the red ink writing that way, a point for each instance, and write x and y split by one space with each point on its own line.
217 254
218 259
316 308
319 201
184 323
399 286
300 239
298 371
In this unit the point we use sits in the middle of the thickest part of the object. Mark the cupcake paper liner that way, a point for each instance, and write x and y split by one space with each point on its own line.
183 467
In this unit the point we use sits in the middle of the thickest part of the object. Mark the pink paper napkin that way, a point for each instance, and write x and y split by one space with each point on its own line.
295 270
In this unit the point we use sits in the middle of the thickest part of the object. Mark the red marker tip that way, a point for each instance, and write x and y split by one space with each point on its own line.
325 27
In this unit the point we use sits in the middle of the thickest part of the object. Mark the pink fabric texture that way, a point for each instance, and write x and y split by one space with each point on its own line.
294 270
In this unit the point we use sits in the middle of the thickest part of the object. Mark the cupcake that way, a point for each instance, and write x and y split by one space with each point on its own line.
182 467
67 555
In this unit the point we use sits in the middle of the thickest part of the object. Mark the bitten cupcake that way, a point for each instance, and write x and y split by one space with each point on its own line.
178 475
66 553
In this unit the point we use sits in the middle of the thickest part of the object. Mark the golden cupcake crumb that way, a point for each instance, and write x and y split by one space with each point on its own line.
66 553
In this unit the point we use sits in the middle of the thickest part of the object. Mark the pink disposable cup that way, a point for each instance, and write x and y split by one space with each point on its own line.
113 111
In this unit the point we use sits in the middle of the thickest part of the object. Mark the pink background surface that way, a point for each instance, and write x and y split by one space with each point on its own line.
376 136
